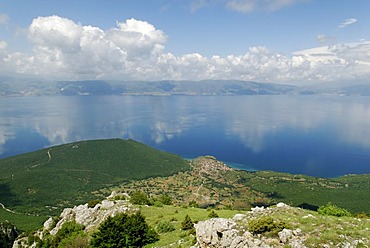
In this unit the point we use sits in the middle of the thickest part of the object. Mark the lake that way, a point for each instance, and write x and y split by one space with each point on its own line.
324 136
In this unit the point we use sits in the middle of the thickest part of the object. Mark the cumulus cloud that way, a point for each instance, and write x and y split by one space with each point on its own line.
54 32
3 19
260 5
63 47
134 49
347 22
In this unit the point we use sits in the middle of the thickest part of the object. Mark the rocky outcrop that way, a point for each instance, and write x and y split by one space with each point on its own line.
89 217
233 233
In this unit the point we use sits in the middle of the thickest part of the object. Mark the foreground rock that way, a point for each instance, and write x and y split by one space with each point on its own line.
233 233
89 217
240 231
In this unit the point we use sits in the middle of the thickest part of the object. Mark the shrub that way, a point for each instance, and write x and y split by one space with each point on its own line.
165 227
187 224
157 204
193 204
165 199
93 203
266 225
212 214
8 233
139 198
361 215
119 197
79 241
124 230
68 234
331 209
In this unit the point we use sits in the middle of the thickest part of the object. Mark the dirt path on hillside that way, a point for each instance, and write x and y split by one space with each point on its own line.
49 155
7 209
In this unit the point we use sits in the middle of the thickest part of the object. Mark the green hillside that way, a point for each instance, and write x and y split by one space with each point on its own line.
351 191
209 184
40 184
45 181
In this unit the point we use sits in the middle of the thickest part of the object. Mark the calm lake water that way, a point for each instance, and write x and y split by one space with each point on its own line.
315 135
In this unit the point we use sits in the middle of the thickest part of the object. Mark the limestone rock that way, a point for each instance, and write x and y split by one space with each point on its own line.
48 224
91 217
231 233
281 205
216 232
238 217
285 235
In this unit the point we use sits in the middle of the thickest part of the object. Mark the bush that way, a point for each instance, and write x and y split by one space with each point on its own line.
124 230
193 204
333 210
187 224
8 233
157 204
139 198
93 203
266 225
165 227
165 199
68 234
212 214
361 215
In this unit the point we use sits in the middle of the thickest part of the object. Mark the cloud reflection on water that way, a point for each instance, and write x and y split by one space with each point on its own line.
254 121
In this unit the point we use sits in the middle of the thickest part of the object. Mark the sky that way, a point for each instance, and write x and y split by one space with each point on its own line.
296 42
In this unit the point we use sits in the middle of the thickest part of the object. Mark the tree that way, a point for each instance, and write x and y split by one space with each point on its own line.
187 224
165 199
124 230
8 233
139 198
213 214
331 209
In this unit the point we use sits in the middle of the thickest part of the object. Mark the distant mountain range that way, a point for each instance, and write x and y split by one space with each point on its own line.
168 87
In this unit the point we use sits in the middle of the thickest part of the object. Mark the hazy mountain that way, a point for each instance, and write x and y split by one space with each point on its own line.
9 87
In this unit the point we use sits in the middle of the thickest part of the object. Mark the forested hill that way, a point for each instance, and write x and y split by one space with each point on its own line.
67 174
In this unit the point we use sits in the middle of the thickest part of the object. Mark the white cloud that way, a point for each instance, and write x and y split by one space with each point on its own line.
246 6
63 47
3 44
347 22
134 49
3 19
326 39
55 32
242 5
137 38
198 4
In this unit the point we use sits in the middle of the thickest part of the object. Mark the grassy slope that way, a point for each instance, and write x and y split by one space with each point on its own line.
31 181
318 229
24 223
242 189
175 215
351 192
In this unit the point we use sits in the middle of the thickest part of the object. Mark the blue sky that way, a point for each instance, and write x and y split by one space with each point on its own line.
282 41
